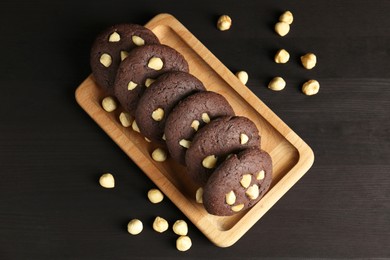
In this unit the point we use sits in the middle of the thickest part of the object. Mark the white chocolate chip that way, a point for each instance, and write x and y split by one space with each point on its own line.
155 196
209 162
159 155
125 119
155 63
252 192
124 55
282 56
148 140
244 138
109 104
185 143
158 114
114 37
242 76
149 82
199 195
135 127
195 125
160 224
135 226
237 208
309 60
230 198
183 243
137 40
311 87
286 17
224 22
277 84
246 180
132 85
260 175
205 118
106 60
107 181
282 28
180 227
163 137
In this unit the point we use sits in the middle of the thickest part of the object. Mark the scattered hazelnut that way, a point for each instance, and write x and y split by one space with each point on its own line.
109 104
125 119
224 23
195 125
155 63
282 56
160 225
155 196
185 143
107 181
180 228
205 118
286 17
137 40
277 84
135 226
114 37
135 127
230 198
260 175
158 114
253 192
242 76
159 155
124 55
183 243
246 180
132 85
106 60
237 208
164 137
209 162
282 28
244 138
199 195
311 87
149 82
309 60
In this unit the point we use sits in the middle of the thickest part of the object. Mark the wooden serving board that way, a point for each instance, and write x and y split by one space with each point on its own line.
291 156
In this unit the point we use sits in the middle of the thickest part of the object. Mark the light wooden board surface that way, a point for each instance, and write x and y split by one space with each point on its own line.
291 156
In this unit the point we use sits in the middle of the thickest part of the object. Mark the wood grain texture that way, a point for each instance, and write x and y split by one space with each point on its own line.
291 156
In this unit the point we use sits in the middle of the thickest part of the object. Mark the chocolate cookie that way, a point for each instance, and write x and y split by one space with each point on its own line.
189 116
141 67
216 140
158 100
112 46
238 183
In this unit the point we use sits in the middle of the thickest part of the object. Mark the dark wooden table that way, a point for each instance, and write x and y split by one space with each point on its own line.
52 153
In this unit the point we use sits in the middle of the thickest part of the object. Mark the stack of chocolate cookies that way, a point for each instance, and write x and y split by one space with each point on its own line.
221 151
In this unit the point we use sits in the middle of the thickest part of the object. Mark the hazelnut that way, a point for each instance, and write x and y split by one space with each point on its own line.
237 208
106 60
137 40
135 127
311 87
155 196
277 84
159 155
205 118
125 119
135 226
195 125
282 28
158 114
209 162
242 76
243 138
246 180
230 198
107 181
282 56
253 192
309 60
149 82
155 63
124 55
286 17
160 225
183 243
260 175
180 228
199 195
224 23
114 37
109 104
185 143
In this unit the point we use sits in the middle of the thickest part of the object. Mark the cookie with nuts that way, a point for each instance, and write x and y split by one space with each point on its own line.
111 46
141 68
189 116
160 98
238 183
216 141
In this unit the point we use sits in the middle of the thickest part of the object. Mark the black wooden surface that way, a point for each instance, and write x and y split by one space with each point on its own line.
52 153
